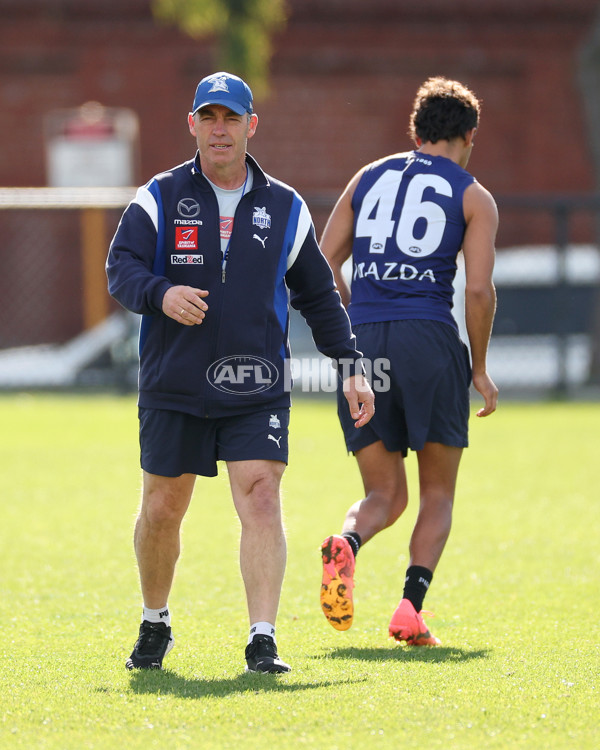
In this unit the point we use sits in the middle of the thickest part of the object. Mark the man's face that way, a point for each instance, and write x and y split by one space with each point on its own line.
221 135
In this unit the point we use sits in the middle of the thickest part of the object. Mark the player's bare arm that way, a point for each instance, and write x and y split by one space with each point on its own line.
481 215
336 242
185 304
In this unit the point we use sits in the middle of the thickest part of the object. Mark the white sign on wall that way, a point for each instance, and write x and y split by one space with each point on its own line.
91 146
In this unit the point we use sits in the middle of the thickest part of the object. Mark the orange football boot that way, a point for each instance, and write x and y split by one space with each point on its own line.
408 625
338 582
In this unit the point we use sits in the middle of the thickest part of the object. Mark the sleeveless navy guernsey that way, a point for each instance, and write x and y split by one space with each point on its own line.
408 230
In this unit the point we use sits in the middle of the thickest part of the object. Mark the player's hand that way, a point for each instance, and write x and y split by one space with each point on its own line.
361 399
486 386
185 304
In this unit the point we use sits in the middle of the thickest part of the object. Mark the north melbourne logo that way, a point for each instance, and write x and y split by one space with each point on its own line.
219 83
261 218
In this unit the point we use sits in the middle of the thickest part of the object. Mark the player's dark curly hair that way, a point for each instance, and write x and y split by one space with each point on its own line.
443 110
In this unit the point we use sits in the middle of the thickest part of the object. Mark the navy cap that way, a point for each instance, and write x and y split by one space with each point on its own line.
225 89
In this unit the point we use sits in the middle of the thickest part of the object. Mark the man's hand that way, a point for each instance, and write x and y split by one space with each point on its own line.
361 399
486 386
185 305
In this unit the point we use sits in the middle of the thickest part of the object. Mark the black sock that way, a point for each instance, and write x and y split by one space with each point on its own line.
416 583
354 541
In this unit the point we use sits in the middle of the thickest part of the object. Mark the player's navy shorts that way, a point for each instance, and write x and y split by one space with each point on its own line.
174 443
428 395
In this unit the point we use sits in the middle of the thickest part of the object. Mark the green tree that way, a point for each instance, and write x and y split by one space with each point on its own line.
243 30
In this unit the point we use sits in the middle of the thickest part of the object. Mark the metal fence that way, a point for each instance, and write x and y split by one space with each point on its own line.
547 329
60 329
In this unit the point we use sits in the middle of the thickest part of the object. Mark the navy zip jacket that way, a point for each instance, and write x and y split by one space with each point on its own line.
235 361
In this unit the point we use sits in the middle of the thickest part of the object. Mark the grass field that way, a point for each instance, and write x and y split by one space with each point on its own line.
516 596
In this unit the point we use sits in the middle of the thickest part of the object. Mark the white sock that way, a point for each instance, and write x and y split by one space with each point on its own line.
261 628
157 615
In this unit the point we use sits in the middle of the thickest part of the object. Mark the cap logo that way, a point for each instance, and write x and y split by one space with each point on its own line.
219 84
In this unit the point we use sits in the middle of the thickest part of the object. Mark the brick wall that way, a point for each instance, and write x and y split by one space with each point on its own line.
343 77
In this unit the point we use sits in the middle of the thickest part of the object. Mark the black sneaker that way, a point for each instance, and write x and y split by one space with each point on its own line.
153 644
261 656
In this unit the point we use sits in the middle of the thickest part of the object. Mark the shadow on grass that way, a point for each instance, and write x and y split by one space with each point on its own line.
409 654
167 682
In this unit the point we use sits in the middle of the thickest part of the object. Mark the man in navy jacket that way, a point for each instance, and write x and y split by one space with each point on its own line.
209 253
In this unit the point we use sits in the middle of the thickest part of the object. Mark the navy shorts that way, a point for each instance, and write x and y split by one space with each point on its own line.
428 395
174 443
